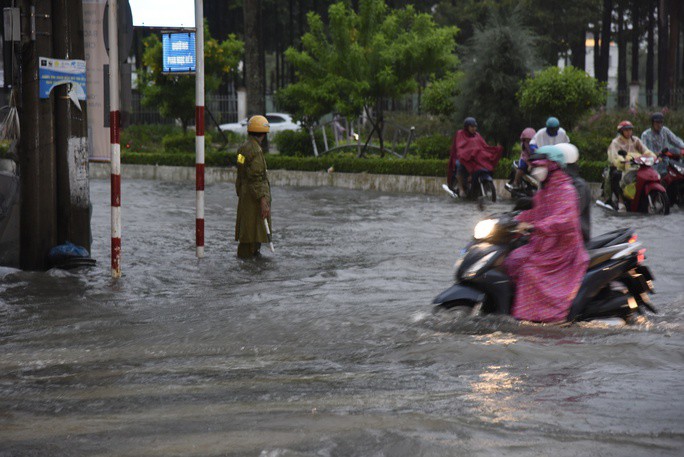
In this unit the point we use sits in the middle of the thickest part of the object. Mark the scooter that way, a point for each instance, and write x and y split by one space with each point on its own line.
616 285
528 184
648 195
672 177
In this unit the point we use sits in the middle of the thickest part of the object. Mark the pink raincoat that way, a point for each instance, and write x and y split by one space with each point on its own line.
548 270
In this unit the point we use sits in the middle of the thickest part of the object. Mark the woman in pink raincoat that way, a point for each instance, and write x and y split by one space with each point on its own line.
549 269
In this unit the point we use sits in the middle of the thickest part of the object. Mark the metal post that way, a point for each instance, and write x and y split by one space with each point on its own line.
115 147
199 127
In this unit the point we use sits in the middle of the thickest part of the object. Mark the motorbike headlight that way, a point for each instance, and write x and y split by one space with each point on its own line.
477 266
484 228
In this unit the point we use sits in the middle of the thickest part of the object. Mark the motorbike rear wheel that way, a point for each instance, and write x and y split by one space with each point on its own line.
658 203
489 191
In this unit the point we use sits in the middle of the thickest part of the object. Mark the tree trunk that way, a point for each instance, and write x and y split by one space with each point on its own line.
623 96
597 50
650 57
636 33
606 21
255 81
673 46
579 50
663 95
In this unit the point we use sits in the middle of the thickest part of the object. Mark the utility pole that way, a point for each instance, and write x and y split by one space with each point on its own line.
37 162
55 204
71 132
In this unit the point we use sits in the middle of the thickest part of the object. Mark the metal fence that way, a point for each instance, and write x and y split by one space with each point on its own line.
223 108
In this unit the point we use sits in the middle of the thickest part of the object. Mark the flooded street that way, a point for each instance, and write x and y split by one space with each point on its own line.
325 348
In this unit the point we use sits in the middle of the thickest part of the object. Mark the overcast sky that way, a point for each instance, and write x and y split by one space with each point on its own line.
163 13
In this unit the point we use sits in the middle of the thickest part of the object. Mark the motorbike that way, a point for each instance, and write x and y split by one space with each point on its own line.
646 194
672 176
528 184
480 187
617 284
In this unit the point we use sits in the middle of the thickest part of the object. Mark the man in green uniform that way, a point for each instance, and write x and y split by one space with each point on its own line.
253 191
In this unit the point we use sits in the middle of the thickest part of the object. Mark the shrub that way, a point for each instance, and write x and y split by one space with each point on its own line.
146 137
433 146
568 94
298 143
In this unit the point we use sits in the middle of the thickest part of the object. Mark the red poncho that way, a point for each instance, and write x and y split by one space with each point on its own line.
549 269
473 152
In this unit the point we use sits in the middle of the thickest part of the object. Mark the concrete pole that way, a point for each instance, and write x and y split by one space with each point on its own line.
38 220
115 146
71 132
199 128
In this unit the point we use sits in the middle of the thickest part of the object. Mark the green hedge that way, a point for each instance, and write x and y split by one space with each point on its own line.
591 171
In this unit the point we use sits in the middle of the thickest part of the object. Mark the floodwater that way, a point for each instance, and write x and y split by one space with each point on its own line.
325 348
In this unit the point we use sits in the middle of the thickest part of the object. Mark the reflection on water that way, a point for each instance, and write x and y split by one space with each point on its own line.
327 347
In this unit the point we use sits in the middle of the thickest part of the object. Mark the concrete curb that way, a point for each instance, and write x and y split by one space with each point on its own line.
428 185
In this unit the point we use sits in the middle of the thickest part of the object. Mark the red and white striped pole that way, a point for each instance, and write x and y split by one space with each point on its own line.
199 127
115 147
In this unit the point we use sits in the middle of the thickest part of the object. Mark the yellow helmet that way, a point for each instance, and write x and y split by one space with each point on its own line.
258 124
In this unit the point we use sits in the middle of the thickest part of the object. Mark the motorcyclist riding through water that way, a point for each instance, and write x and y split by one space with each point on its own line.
548 274
622 150
525 138
549 269
470 157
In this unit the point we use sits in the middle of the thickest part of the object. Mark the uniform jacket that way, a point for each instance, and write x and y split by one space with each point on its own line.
251 185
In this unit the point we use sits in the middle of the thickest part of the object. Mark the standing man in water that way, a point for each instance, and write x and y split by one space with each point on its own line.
253 191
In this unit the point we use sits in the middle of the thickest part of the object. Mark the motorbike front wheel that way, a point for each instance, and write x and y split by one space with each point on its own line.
658 203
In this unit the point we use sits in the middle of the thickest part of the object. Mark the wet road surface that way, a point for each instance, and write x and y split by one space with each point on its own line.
325 348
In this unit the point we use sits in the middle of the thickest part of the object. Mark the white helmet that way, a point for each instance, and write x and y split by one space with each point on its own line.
570 152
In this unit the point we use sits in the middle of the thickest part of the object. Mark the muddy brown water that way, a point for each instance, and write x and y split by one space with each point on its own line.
325 348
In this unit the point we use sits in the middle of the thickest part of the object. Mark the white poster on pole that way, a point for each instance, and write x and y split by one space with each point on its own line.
96 58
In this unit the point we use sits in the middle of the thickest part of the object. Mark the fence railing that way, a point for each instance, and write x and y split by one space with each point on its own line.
223 108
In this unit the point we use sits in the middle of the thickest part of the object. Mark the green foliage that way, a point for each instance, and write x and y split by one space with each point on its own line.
145 138
433 146
174 95
591 171
361 59
567 94
298 143
499 57
179 142
439 97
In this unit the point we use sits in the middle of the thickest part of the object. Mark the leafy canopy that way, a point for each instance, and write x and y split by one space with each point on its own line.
497 59
360 60
567 94
174 95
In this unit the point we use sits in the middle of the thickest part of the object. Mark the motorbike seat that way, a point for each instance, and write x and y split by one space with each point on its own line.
608 239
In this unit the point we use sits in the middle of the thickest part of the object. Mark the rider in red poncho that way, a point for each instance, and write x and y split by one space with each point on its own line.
470 153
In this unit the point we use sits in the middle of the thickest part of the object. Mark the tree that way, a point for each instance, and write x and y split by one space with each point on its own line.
499 57
174 95
361 60
440 96
566 93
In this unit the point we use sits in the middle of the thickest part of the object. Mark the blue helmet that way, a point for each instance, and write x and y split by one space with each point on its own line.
552 153
552 123
469 121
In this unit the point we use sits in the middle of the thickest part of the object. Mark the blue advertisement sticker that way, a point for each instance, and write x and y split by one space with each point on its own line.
54 72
